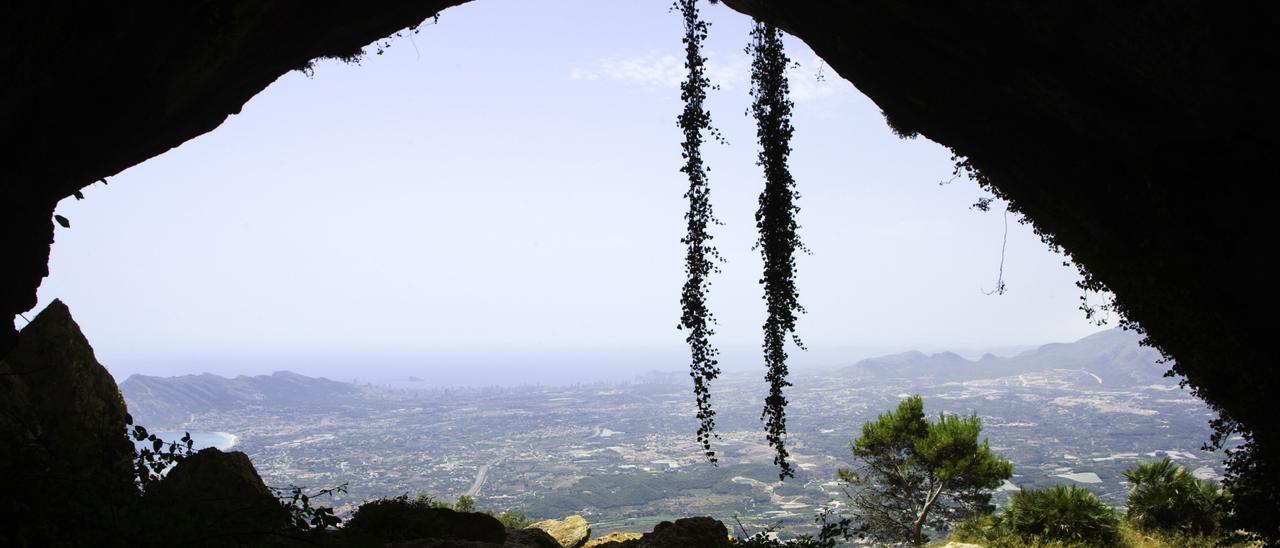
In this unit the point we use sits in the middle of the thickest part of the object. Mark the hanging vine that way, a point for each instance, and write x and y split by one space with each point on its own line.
700 255
775 220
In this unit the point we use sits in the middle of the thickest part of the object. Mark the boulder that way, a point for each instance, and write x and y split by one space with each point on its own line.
614 540
703 532
570 532
65 455
399 520
531 538
212 493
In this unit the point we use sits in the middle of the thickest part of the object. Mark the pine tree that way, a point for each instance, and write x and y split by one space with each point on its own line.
917 474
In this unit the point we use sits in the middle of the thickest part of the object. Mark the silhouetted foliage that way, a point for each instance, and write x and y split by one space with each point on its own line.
302 515
155 456
832 531
916 473
1252 479
776 222
700 255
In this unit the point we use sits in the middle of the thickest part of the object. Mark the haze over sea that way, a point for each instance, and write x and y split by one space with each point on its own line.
532 365
223 441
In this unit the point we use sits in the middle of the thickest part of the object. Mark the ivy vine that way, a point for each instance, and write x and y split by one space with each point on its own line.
700 255
778 240
302 515
776 221
152 456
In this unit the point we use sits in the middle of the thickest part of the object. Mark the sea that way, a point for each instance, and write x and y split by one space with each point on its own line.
200 440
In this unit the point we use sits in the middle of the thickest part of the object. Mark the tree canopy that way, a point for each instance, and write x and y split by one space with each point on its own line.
916 474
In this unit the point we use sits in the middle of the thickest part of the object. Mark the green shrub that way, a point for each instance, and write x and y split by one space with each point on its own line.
988 532
1060 513
1167 497
513 518
1136 537
977 530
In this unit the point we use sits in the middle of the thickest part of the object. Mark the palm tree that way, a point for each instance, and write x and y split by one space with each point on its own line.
1164 495
1069 514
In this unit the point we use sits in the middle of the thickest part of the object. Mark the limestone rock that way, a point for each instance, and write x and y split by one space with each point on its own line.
65 454
614 540
570 532
212 493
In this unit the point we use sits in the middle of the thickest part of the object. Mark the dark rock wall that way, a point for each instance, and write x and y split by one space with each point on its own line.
1135 135
63 450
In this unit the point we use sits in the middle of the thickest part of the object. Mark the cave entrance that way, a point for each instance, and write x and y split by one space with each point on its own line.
1121 247
527 202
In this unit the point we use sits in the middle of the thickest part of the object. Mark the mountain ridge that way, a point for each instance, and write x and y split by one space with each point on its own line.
170 401
1114 356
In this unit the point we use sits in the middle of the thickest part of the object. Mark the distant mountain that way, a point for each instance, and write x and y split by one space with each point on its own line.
168 402
1112 358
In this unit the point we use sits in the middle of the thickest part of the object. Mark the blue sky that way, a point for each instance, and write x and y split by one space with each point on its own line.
497 199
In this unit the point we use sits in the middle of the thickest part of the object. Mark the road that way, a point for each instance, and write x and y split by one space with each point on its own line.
481 475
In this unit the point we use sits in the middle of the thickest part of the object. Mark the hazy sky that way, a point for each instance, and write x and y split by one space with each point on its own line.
497 199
